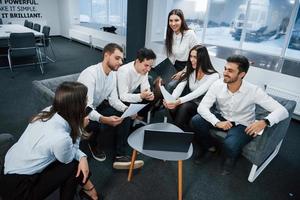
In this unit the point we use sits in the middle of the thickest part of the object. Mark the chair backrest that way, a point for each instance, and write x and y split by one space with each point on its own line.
22 44
46 31
37 27
26 23
1 21
29 25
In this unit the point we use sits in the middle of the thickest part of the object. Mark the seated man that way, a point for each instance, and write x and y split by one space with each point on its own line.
102 99
235 100
134 75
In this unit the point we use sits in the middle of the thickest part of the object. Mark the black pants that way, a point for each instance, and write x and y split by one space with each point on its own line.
121 132
40 185
182 115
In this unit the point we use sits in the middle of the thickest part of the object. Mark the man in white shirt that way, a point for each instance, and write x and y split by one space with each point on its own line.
235 100
134 76
105 106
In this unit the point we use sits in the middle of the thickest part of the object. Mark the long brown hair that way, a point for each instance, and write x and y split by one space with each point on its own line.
69 102
203 62
169 35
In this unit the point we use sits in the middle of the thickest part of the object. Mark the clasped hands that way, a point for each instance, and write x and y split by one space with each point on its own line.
171 105
147 95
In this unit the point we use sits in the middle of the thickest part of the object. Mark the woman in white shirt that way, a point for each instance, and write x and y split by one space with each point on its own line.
199 76
47 155
179 40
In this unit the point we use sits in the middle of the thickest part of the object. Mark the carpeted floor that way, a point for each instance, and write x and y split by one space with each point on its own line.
157 179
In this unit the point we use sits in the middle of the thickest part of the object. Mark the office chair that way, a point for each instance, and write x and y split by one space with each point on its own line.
47 43
37 27
28 24
22 45
1 21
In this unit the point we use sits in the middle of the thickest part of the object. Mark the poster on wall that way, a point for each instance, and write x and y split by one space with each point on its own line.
11 10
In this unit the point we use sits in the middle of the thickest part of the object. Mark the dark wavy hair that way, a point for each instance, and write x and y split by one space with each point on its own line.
203 62
69 102
169 35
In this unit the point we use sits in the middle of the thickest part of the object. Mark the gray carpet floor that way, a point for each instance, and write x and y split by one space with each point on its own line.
157 179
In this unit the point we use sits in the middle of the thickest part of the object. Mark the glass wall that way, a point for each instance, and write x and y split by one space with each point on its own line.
293 50
266 26
104 13
194 13
223 16
267 31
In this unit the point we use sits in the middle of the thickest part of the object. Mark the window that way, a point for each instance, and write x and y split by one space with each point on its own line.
293 50
266 31
104 13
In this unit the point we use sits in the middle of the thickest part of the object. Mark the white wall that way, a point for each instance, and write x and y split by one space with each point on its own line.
48 10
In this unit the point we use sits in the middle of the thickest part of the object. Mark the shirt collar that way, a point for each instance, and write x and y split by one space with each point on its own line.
242 89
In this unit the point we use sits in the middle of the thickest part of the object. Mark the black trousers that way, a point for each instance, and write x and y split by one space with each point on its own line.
121 132
40 185
183 114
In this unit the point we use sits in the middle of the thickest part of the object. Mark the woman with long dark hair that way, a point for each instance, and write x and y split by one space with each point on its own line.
179 40
199 76
47 155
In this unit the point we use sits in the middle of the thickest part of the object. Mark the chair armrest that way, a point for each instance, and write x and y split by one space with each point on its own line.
262 146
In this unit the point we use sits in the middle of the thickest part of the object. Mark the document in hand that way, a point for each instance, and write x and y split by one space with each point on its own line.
133 109
167 96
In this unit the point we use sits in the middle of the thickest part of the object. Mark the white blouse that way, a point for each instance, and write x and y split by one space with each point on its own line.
182 47
197 87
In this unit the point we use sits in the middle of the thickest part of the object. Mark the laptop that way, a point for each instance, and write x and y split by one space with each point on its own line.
159 140
165 70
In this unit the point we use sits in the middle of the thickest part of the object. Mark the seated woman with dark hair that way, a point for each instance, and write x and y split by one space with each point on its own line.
47 155
199 76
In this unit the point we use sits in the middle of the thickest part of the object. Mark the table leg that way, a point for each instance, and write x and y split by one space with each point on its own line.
133 157
179 179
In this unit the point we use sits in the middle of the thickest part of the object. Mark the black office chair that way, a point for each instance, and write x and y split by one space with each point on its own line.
37 27
26 23
22 45
47 43
29 24
1 21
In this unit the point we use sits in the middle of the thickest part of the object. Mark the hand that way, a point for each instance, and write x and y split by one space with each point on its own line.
134 116
111 120
178 75
171 105
86 121
83 167
225 125
147 94
255 128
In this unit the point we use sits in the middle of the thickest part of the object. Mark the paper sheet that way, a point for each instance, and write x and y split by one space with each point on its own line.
167 96
133 109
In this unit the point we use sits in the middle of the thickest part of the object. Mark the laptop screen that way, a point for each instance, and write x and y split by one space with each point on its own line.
167 141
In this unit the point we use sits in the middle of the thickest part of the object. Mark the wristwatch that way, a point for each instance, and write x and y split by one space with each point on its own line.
267 121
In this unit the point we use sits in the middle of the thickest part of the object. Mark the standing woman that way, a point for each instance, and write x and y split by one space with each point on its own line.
179 40
47 155
199 76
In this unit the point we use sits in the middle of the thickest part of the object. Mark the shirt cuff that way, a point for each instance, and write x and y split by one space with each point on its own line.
94 116
79 155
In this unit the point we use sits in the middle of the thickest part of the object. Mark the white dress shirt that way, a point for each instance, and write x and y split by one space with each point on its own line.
128 80
182 47
42 143
239 107
197 87
100 87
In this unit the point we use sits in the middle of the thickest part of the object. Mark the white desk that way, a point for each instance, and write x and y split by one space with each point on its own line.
7 29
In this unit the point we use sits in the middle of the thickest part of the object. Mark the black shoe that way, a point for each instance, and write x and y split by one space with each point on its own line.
202 157
97 154
228 166
83 195
123 162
